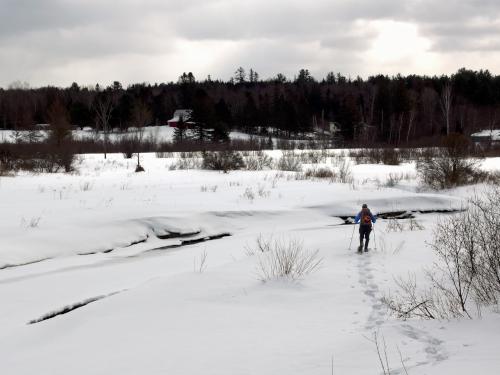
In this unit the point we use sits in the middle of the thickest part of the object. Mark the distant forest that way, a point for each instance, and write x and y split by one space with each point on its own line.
394 110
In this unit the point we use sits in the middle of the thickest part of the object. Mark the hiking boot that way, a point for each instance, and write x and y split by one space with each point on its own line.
360 247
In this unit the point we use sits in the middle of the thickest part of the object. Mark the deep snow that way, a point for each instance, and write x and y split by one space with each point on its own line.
152 311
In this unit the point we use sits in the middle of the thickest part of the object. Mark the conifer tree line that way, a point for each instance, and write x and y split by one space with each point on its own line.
393 110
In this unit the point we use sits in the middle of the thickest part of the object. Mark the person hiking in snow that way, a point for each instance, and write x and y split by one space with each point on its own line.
365 220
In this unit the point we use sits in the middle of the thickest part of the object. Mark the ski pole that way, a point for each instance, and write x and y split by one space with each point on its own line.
374 236
352 235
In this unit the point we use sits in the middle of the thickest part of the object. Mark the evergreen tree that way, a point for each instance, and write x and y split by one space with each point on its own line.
240 75
203 116
180 132
279 78
186 78
220 133
253 76
330 78
304 77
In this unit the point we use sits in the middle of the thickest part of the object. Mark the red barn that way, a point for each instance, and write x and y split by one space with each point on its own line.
183 115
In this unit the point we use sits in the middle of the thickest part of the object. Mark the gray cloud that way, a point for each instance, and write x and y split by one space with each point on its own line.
66 40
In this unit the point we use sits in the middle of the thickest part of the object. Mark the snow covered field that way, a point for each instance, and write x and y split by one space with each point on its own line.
160 264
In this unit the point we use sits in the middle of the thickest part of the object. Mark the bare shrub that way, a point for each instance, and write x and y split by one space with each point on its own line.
129 145
390 156
262 192
223 161
442 172
390 248
86 185
314 157
249 194
286 259
191 155
358 156
483 249
414 224
387 156
50 156
258 160
187 163
262 245
206 188
344 174
284 144
164 155
7 161
450 166
410 302
320 173
467 271
32 223
394 225
393 179
493 178
289 162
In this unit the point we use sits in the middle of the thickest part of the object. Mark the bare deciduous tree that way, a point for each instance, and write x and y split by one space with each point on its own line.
103 108
142 116
445 101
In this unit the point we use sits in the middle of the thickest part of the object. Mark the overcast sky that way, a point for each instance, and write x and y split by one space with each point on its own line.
88 41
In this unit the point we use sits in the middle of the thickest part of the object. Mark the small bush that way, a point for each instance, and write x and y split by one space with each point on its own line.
394 225
31 223
187 163
314 157
285 259
206 188
249 194
283 144
258 161
319 173
450 166
387 156
414 224
390 156
7 161
445 172
223 161
129 145
344 174
86 185
393 180
289 162
163 155
66 157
